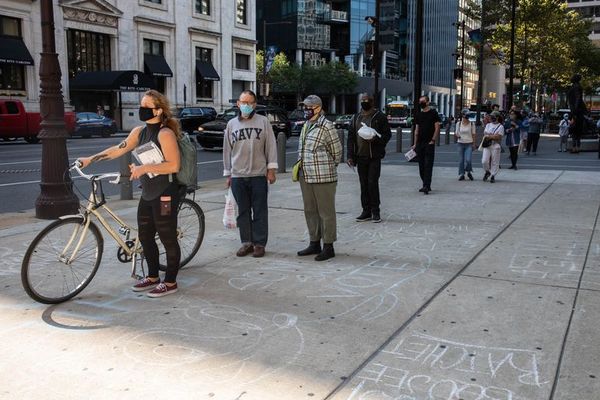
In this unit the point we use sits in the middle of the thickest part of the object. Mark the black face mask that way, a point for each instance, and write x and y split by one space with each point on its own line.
365 105
145 113
423 105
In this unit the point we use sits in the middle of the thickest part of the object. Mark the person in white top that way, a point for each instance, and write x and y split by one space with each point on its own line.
465 133
563 132
492 135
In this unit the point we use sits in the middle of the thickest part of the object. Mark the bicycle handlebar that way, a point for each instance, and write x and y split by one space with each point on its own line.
76 166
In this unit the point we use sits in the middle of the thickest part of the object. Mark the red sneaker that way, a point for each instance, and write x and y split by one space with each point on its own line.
145 284
162 290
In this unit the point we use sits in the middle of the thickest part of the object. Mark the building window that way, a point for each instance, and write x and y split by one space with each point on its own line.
204 88
156 48
87 51
241 15
10 26
154 1
242 61
202 7
12 77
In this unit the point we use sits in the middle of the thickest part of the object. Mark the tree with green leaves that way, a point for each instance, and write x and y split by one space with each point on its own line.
551 41
285 77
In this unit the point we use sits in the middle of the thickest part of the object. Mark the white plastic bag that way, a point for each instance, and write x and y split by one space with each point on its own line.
367 132
230 212
409 155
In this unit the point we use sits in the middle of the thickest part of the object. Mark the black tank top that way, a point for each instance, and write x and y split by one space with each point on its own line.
152 187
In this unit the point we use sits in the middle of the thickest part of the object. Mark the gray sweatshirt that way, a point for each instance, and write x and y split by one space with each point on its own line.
249 147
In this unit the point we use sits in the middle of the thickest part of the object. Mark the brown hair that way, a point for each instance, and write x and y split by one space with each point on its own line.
166 118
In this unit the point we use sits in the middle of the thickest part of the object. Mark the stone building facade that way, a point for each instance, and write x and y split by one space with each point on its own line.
197 52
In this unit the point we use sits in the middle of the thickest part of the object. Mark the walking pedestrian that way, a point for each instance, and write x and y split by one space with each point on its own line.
512 129
563 132
250 161
578 111
367 154
533 134
319 154
492 135
159 203
465 132
427 130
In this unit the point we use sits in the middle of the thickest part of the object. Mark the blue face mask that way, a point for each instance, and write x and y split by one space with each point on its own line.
246 109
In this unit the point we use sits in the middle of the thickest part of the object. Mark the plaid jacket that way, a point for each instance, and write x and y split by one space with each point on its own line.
320 150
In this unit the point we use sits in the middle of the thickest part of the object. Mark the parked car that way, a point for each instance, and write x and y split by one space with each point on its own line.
191 118
210 135
297 121
15 122
343 121
88 124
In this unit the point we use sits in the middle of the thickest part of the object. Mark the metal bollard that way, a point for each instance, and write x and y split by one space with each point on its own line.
126 187
281 141
399 140
439 139
447 137
342 135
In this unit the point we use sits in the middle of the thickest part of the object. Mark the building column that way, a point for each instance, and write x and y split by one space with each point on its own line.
382 99
361 59
383 63
332 56
332 109
299 57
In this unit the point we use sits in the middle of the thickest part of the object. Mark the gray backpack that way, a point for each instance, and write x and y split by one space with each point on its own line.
188 171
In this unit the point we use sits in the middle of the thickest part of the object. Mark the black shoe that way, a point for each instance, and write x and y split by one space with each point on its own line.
470 175
422 189
486 176
493 179
327 252
461 178
516 168
364 216
426 190
376 218
313 248
511 167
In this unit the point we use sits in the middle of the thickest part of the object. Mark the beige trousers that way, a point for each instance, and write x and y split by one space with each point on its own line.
319 210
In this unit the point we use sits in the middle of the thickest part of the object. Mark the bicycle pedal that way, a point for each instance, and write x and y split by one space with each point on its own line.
137 277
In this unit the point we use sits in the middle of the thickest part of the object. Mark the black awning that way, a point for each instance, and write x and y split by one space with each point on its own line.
14 51
156 65
206 71
115 81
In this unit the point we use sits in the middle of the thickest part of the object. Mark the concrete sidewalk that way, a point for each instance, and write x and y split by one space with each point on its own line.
477 291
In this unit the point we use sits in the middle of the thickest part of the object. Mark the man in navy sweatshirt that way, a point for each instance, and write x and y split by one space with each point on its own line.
250 161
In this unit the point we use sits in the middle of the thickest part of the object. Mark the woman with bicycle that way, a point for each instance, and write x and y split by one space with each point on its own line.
158 206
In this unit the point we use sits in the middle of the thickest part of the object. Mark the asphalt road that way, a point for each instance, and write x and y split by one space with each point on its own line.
20 164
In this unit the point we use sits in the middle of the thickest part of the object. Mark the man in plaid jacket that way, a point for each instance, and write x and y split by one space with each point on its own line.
320 152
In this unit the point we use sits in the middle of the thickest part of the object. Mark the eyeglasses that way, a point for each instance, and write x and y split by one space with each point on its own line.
246 103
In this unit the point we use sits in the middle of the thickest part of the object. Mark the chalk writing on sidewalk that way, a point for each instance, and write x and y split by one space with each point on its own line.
449 370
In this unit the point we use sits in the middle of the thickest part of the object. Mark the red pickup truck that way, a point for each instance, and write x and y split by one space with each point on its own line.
15 122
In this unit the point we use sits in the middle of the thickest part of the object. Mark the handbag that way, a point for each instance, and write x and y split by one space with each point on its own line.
296 170
487 142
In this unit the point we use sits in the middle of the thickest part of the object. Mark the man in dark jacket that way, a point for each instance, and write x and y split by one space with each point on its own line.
367 155
578 111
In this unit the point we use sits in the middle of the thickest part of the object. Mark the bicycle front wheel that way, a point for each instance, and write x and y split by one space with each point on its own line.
62 260
190 233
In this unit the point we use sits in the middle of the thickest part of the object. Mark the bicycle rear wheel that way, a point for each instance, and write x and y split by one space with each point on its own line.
190 233
49 272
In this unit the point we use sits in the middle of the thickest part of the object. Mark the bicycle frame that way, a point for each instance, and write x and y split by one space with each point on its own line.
93 207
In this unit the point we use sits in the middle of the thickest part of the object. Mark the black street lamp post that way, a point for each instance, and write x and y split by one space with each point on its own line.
56 197
374 22
418 66
511 71
461 25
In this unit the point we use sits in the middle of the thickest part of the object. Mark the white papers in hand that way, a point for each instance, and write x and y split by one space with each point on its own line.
148 153
410 155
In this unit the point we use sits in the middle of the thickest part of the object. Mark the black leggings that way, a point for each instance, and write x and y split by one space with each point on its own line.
150 222
514 155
